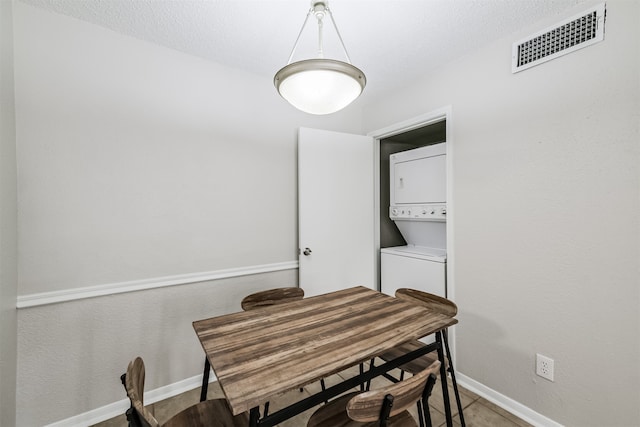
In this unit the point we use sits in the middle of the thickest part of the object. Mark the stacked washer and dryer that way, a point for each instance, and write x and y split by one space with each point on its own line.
418 208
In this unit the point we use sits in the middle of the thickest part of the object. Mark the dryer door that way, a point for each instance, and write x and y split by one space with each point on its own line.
420 181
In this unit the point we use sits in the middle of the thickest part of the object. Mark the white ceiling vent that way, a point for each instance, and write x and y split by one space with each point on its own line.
571 34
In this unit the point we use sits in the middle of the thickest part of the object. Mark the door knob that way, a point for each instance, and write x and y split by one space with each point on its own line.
307 252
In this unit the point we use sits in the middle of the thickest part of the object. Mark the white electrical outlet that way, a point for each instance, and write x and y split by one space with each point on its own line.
544 366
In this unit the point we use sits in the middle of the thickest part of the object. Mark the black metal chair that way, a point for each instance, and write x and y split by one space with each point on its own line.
210 412
437 304
383 407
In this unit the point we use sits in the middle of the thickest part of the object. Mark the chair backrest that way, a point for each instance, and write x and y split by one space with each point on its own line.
271 297
133 382
367 407
430 301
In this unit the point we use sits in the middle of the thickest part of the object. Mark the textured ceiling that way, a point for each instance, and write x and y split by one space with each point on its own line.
392 41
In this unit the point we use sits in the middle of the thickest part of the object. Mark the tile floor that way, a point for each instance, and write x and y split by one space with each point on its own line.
478 412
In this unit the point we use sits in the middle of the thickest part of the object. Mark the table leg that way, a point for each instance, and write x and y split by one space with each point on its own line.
443 380
254 416
453 378
205 380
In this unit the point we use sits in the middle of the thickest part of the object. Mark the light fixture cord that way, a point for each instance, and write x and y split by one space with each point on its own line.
320 48
295 45
344 49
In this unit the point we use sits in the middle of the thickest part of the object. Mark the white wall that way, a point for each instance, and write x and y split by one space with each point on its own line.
547 231
71 355
8 221
137 162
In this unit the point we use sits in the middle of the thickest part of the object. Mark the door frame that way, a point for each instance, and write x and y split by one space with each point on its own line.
444 113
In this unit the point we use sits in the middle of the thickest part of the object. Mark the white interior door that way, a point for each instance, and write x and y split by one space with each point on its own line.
335 211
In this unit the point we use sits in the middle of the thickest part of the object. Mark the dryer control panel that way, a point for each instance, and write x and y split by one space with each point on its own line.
424 212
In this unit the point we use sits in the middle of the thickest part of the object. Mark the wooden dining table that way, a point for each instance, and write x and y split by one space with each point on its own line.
259 354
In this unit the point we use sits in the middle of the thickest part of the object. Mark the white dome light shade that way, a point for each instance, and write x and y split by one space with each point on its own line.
320 86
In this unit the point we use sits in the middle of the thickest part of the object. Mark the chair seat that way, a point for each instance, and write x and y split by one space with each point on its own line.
416 365
214 412
334 414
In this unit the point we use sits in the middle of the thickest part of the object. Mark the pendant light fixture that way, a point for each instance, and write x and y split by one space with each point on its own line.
319 86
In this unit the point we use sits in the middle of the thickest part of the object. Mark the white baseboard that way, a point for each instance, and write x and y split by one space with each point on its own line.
523 412
44 298
118 408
